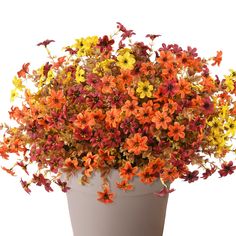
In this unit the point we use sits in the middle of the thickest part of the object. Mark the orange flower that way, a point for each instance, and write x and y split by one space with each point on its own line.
183 59
16 146
108 83
136 144
147 176
88 170
84 119
125 77
70 162
166 57
184 88
24 70
217 59
124 185
169 72
156 165
71 165
98 115
147 69
130 107
196 65
105 157
197 102
106 196
131 93
145 113
128 172
208 84
159 95
3 152
113 117
9 171
161 119
169 174
170 106
176 131
56 99
91 160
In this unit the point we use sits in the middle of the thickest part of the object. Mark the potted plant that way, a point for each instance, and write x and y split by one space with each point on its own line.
113 122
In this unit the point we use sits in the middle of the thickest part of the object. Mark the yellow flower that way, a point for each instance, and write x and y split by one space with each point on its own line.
230 127
91 41
122 51
224 111
85 45
79 45
106 64
103 67
79 75
197 87
229 83
67 78
217 140
98 69
144 89
126 61
216 124
232 73
45 80
18 83
14 94
50 76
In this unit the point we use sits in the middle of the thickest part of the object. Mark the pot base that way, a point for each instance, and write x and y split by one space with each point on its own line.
133 213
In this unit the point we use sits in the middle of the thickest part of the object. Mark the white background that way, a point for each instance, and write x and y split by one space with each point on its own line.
203 208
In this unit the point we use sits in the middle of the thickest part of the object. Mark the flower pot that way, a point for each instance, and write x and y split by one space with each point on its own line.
133 213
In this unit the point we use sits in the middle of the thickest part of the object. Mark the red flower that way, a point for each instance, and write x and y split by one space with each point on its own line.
59 62
190 176
63 185
197 124
70 50
208 106
45 43
40 180
23 166
105 44
152 36
25 186
227 168
170 88
208 172
164 192
126 33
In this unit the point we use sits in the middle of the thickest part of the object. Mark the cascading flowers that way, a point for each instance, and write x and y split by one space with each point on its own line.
111 103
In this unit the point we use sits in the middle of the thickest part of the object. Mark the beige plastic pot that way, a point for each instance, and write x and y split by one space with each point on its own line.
134 213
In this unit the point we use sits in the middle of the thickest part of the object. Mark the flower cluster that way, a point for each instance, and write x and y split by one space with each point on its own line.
111 103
